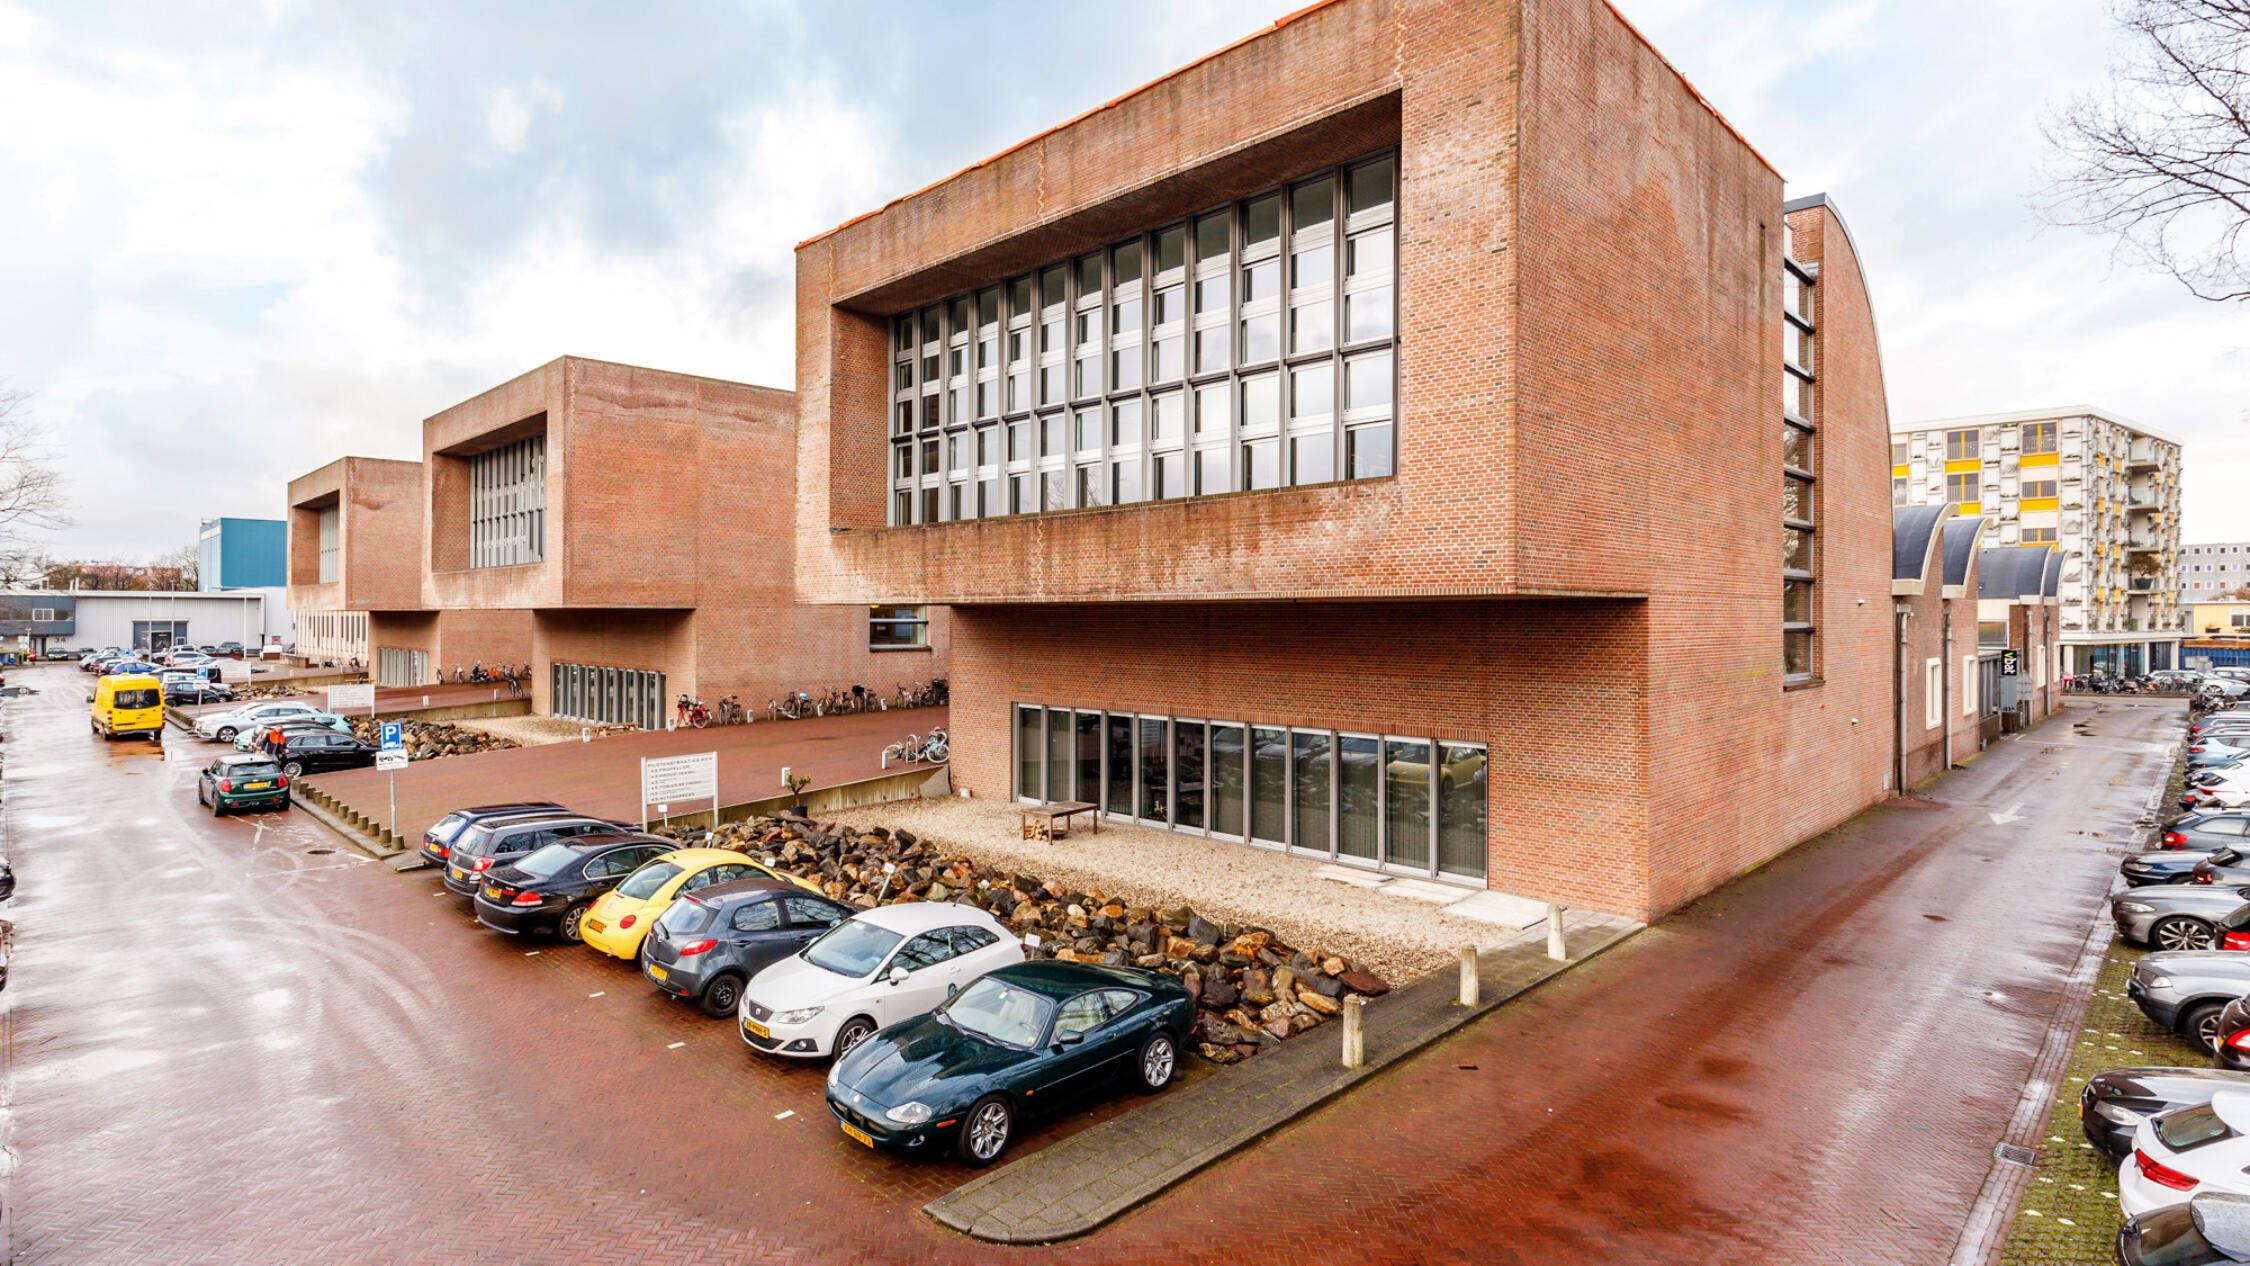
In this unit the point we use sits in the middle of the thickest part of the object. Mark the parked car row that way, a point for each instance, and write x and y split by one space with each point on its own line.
2181 1136
943 1036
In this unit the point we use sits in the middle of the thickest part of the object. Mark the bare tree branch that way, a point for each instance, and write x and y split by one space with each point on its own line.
32 490
2161 161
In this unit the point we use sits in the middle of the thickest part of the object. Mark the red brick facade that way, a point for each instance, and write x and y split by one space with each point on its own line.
379 530
668 542
1578 561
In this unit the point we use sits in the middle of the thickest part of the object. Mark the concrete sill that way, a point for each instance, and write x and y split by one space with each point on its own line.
1803 683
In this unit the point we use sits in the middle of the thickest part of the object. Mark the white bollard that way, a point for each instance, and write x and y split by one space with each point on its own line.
1554 934
1355 1047
1468 975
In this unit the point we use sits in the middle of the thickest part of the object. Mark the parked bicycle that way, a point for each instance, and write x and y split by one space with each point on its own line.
916 750
690 712
730 711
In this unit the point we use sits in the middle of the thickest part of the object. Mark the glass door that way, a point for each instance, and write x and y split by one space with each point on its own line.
1156 771
1187 775
1060 766
1312 791
1117 784
1269 786
1089 756
1228 780
1406 804
1461 791
1030 745
1359 797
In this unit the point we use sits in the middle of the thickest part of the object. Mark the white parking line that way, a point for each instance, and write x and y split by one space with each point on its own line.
597 993
675 1046
783 1116
531 953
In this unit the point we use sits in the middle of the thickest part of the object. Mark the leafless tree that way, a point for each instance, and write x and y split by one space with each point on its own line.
2160 161
186 560
32 493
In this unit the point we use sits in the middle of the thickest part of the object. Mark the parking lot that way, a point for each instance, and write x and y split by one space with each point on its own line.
238 1041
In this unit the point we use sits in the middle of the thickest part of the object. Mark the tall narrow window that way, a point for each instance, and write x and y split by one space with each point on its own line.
508 504
1799 467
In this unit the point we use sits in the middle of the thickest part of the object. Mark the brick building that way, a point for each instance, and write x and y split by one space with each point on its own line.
627 532
1376 456
354 533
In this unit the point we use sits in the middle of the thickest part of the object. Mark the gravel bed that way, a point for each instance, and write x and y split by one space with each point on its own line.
530 731
1398 937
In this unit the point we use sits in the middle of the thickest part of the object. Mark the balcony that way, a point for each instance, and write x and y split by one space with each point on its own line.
2139 500
2143 545
2142 456
2142 584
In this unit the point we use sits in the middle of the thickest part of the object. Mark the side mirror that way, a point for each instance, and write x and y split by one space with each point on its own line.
1068 1039
951 989
898 975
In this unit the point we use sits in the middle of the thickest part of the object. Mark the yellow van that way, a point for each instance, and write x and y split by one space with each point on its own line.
129 703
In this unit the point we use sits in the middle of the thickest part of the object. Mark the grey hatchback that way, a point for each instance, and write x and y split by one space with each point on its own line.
710 941
499 841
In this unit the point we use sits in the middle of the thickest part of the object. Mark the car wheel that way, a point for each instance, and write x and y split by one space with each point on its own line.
568 929
1160 1058
856 1030
985 1131
295 769
2200 1025
724 995
225 734
2179 932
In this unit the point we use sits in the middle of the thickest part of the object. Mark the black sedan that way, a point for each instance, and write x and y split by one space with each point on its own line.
713 940
2211 1229
1037 1032
311 751
549 889
2114 1103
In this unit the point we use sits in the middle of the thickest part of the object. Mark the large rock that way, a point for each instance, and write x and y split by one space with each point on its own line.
1360 982
1319 1002
1325 986
1178 947
1257 987
1202 931
1218 992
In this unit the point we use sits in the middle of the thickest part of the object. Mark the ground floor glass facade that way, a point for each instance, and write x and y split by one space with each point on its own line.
1368 799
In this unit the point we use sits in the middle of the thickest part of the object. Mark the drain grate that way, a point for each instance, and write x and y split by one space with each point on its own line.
2014 1154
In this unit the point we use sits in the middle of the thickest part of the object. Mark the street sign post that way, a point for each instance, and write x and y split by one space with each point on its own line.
390 758
667 780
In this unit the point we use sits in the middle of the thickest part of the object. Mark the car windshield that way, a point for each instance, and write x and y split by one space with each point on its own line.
548 862
445 828
135 699
999 1012
643 883
2191 1128
254 769
2237 921
685 918
852 948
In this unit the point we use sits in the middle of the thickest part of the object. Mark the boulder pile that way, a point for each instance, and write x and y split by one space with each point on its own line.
428 740
1252 988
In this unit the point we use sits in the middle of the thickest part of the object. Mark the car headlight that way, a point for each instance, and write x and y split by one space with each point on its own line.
2134 907
909 1113
2160 982
798 1017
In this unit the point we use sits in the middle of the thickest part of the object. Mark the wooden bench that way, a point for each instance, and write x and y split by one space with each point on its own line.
1051 822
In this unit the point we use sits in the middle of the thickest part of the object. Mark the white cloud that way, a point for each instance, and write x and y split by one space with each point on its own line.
508 113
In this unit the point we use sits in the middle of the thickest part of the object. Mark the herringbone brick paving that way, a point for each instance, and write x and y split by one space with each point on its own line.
226 1047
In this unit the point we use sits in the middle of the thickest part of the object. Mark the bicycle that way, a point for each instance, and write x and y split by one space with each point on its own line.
730 712
916 750
690 712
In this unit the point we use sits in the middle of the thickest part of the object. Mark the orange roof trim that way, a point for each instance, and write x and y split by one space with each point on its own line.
1113 102
1278 23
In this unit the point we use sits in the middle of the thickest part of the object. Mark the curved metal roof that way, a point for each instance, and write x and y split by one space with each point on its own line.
1962 536
1911 530
2014 572
2050 584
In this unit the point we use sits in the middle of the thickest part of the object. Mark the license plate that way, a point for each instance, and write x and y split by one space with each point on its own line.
856 1135
492 891
658 973
257 786
457 872
597 925
755 1029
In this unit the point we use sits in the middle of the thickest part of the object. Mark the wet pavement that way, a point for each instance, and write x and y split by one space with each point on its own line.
237 1041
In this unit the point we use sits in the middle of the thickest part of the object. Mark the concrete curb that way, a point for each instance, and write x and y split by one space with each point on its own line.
1086 1180
313 803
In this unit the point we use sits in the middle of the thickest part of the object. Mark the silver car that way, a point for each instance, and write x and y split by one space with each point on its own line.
2175 916
2184 990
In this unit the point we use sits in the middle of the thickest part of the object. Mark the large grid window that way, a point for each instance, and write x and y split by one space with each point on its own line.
1798 464
1966 491
1252 346
1409 804
1964 445
330 525
2038 437
508 504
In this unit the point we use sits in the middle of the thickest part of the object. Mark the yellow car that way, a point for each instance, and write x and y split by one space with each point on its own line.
619 922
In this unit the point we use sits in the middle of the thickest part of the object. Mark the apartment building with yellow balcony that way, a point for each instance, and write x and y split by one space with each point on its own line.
2101 490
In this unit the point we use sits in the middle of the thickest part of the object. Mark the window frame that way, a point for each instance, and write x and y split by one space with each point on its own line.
915 622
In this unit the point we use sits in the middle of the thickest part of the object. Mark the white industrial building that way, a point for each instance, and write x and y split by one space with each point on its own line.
38 620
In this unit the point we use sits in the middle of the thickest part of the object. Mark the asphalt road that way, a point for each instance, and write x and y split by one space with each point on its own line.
233 1041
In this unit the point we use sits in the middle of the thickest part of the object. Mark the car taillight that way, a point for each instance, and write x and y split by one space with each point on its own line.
284 780
2236 941
2161 1174
2200 877
628 920
440 851
527 899
2173 839
696 947
485 863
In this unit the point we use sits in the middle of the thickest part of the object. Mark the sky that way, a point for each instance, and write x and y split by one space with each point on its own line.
240 239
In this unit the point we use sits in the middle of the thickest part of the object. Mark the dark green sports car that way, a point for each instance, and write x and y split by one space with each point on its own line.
1008 1044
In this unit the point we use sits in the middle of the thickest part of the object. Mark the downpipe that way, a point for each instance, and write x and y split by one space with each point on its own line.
1945 683
1903 614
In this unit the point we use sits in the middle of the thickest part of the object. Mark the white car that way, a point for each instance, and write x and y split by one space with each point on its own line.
874 969
2186 1152
223 726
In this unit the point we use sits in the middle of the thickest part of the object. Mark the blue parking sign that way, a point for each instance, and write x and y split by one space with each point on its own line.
391 736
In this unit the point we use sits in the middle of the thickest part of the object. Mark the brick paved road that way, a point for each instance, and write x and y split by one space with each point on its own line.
225 1046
